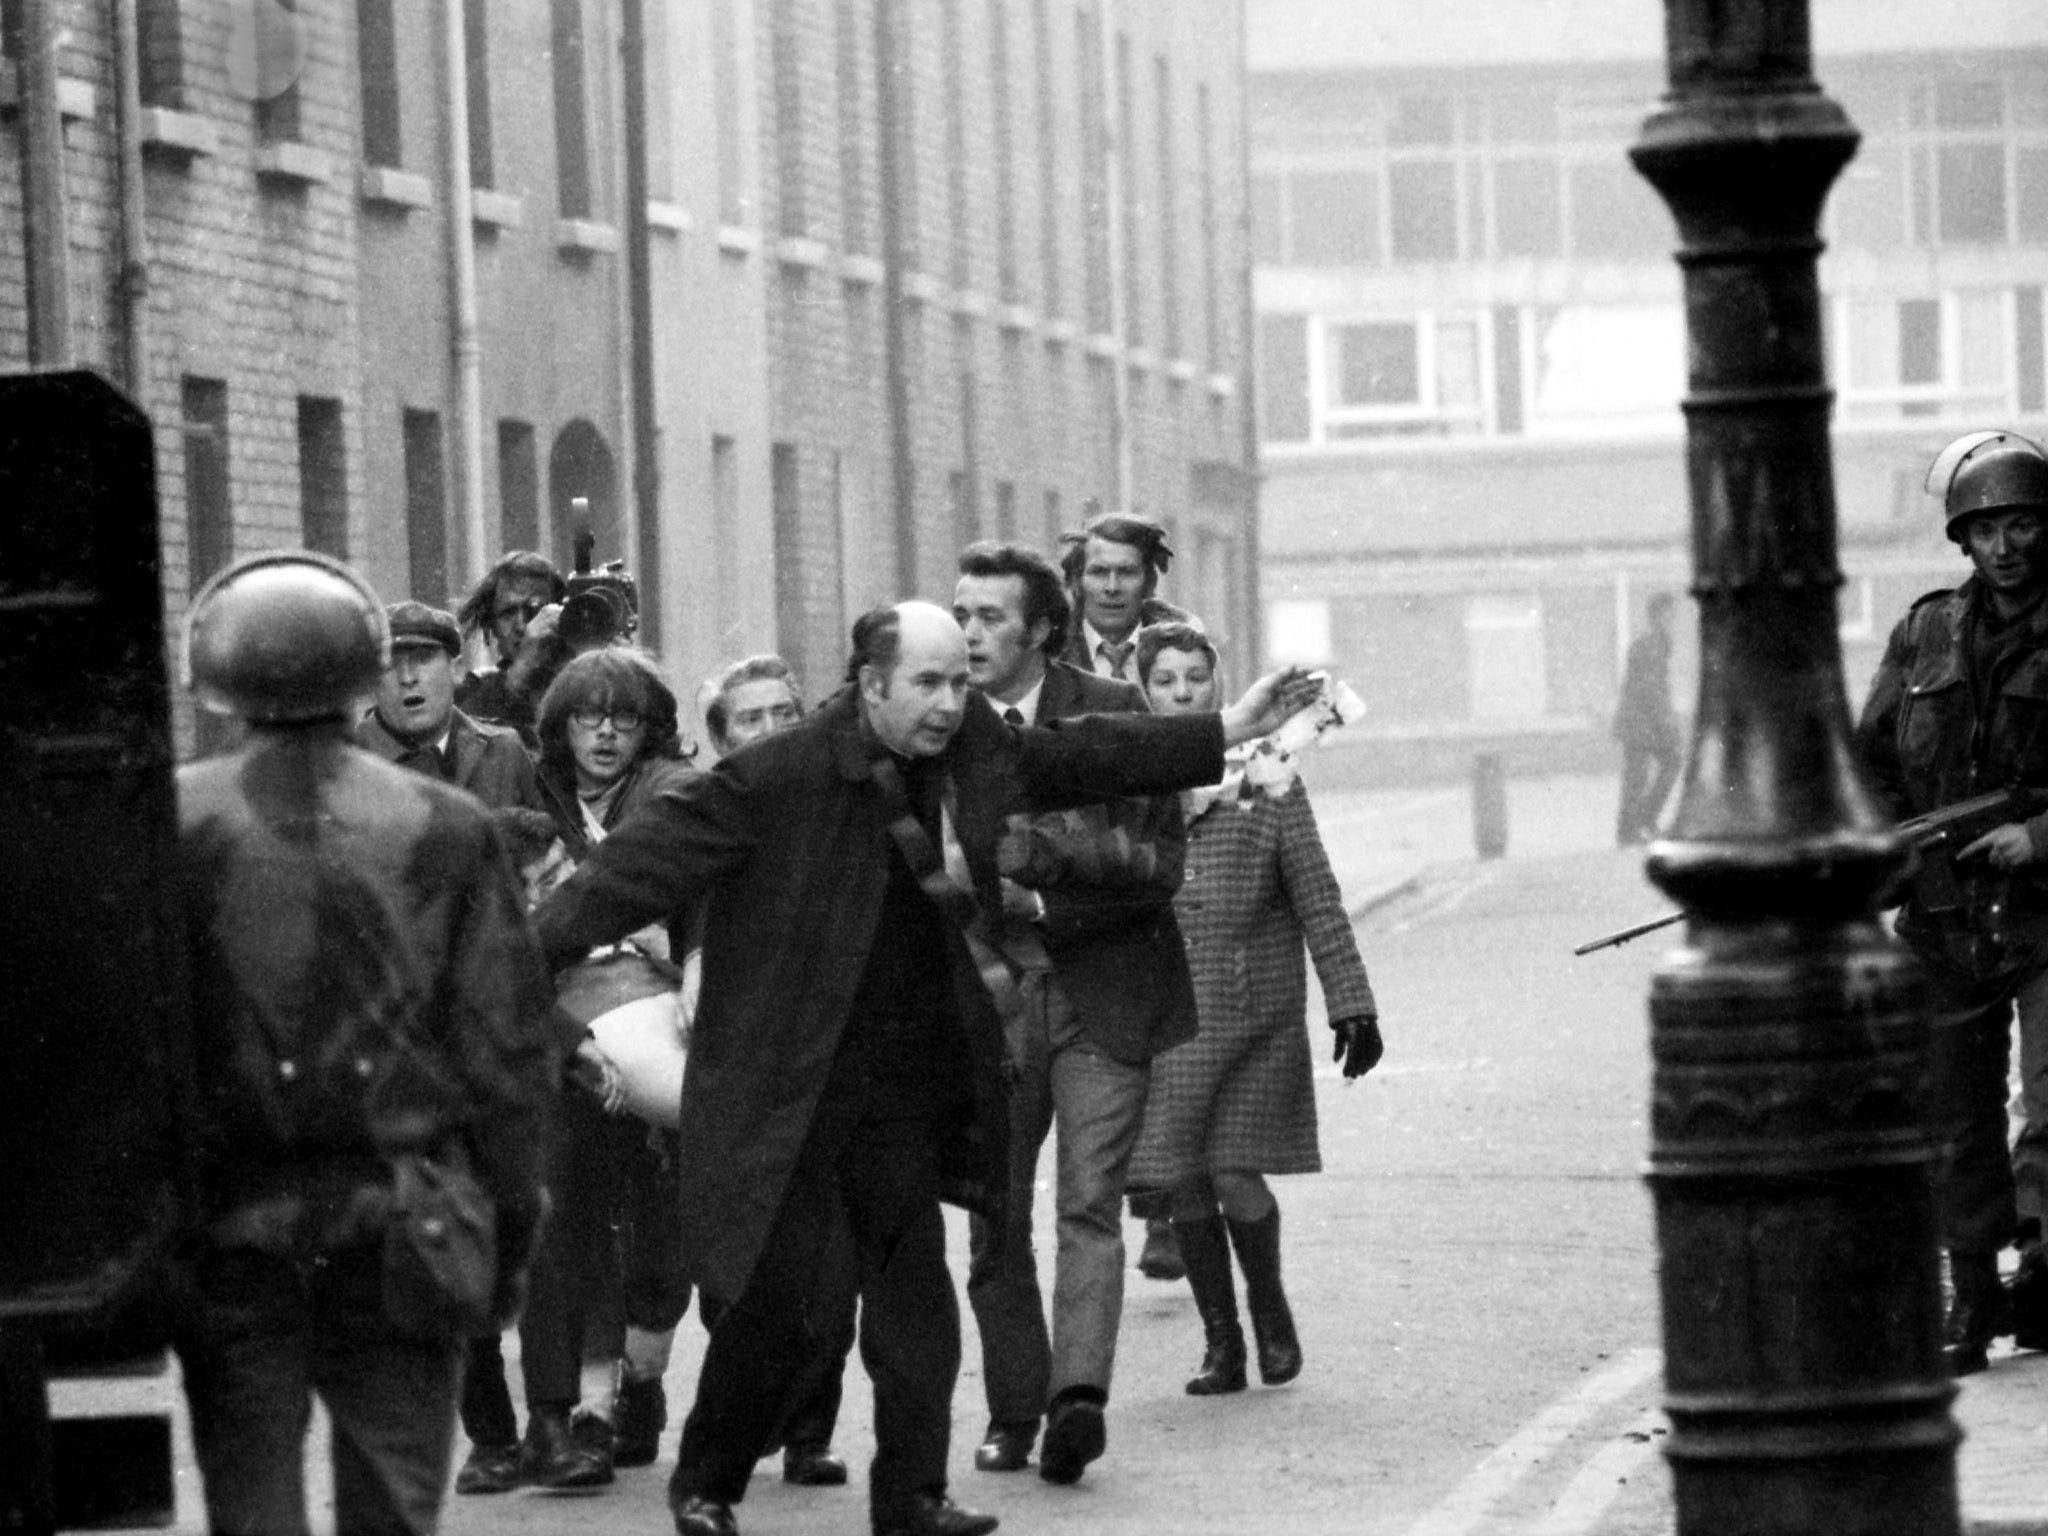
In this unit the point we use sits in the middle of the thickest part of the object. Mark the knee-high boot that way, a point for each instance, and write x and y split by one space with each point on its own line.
1258 1253
1206 1252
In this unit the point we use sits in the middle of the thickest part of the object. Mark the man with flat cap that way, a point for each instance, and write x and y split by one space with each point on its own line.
846 1069
415 722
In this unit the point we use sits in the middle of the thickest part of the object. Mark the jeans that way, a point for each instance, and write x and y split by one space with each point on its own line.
1098 1104
259 1336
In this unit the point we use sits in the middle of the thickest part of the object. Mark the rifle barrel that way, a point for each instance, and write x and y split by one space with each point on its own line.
1622 937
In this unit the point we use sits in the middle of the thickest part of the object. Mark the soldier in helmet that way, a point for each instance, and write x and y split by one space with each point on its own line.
1959 708
366 991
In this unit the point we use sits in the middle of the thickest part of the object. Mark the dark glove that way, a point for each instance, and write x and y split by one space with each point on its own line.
1359 1045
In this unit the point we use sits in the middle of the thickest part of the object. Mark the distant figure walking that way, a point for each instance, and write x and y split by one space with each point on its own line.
1646 728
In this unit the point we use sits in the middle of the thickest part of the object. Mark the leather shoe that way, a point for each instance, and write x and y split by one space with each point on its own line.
643 1415
553 1457
695 1515
1075 1435
1160 1259
812 1466
933 1514
1006 1449
489 1469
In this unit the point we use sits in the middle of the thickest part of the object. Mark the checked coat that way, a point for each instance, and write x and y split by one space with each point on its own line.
1240 1095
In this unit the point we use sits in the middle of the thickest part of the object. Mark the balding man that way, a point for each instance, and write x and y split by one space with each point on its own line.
846 1072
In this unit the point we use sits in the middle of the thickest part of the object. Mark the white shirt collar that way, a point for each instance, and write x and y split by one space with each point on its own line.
1028 705
1095 640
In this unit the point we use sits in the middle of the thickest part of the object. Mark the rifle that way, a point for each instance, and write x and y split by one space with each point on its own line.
1934 839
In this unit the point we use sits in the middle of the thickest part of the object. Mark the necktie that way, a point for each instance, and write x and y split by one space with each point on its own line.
1013 715
1117 655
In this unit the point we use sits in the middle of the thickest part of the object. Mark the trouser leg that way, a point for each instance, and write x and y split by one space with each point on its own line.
487 1416
1099 1107
242 1323
813 1413
1970 1053
391 1401
1002 1272
909 1319
2030 1152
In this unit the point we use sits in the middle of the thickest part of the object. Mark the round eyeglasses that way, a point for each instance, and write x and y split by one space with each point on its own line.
621 719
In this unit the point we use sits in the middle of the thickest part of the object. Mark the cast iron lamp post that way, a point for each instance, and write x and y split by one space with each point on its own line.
1790 1159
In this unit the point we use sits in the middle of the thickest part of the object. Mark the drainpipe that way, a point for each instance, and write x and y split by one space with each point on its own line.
45 207
131 285
888 113
466 354
640 319
1114 192
1248 354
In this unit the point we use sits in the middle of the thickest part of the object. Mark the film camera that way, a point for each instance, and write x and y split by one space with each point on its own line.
603 606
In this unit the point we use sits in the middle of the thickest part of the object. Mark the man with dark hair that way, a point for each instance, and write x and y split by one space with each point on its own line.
1096 885
750 699
518 605
1646 727
1112 568
846 1071
415 721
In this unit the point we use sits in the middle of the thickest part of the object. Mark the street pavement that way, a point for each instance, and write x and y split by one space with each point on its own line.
1473 1272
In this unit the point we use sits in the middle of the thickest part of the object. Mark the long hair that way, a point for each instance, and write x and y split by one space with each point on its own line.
475 612
612 677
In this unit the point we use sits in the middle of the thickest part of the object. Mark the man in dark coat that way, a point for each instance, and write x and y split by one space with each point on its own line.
1098 883
847 1061
416 724
1645 727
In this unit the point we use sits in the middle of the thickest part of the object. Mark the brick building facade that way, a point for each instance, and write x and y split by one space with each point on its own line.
1027 300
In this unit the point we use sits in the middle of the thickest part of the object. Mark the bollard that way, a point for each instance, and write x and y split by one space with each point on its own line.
1489 805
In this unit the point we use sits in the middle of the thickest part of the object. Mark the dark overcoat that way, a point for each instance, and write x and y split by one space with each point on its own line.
786 845
489 761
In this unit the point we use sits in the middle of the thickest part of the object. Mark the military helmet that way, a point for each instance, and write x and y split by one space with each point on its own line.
287 635
1988 472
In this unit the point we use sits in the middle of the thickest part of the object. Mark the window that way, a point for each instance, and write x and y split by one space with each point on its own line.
960 250
209 516
518 486
1953 356
1298 633
1168 220
1054 526
792 608
2028 359
1004 150
1603 369
572 123
1212 278
377 52
786 64
1048 161
278 43
1283 378
1527 216
1422 210
323 477
1136 266
161 44
854 217
1971 196
725 522
477 64
728 62
1094 136
1382 377
1006 510
1615 213
426 507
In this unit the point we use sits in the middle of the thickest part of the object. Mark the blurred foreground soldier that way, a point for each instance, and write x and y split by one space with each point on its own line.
368 1013
415 722
847 1060
1096 885
1959 708
517 606
1646 727
1113 566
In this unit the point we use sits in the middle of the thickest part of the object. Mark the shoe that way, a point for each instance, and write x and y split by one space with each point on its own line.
695 1515
933 1514
1977 1312
642 1416
812 1466
489 1469
1007 1448
2026 1299
1161 1258
1075 1434
1258 1255
1206 1250
553 1457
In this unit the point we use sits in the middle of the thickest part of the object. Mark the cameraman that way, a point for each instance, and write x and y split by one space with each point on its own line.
518 605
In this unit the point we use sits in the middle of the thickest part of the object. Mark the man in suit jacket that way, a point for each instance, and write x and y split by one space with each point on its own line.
1098 885
415 723
1112 568
847 1059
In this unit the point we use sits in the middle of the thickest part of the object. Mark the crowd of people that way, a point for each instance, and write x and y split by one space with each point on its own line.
1008 882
